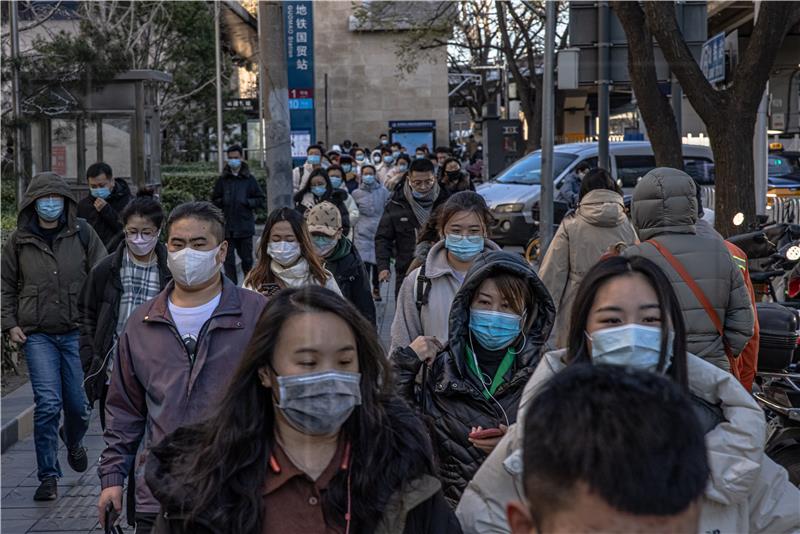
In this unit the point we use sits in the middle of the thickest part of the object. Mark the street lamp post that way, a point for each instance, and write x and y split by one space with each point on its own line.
546 218
218 61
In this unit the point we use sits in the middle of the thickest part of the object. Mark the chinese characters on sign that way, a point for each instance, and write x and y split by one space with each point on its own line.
712 58
299 28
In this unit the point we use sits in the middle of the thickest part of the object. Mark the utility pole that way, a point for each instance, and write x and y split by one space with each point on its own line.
546 217
218 56
17 105
275 100
603 75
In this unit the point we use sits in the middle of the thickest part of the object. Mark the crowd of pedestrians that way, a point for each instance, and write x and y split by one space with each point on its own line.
602 393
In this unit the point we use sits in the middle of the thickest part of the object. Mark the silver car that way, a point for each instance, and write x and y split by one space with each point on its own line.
514 193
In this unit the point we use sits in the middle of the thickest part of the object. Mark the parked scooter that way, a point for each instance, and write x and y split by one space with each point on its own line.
777 384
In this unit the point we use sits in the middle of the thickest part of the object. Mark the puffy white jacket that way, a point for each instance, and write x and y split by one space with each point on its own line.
748 492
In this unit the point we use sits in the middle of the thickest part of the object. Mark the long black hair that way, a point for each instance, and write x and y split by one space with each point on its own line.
224 466
668 305
144 205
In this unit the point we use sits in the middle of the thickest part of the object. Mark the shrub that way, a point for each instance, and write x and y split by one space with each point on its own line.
173 197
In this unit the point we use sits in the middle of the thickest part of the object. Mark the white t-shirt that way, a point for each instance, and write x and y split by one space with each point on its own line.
189 321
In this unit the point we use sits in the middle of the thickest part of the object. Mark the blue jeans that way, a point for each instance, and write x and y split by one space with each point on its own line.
56 376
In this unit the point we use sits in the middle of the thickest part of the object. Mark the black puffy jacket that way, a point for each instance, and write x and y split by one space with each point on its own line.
397 231
238 195
450 397
108 221
351 277
98 307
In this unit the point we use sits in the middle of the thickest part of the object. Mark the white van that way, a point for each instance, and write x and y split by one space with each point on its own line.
513 193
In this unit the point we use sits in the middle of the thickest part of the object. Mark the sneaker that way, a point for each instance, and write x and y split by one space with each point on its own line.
47 490
76 456
376 295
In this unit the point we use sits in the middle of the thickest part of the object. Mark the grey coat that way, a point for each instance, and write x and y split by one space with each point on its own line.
370 201
665 208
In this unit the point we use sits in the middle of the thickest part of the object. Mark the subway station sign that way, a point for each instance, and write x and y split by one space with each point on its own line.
299 28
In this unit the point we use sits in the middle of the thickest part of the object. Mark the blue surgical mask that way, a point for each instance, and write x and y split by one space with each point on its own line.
49 209
368 179
384 141
464 247
631 345
346 167
396 154
419 156
417 194
326 165
388 159
402 167
359 157
235 163
100 192
324 244
494 330
336 182
314 159
319 190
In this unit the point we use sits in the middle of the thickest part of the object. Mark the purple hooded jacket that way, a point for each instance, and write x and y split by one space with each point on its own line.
155 388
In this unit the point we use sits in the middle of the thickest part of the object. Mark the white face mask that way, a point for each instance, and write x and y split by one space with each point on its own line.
190 267
630 345
284 252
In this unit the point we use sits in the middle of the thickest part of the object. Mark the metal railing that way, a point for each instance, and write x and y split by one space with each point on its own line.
784 210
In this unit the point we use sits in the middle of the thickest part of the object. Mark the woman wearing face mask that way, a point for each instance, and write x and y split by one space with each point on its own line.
286 258
308 421
386 165
350 171
582 238
341 257
320 189
423 304
626 313
499 321
133 274
361 159
337 177
452 178
398 172
371 198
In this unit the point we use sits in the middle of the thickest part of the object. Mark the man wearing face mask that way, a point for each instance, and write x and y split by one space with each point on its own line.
341 257
238 194
350 173
44 264
300 175
108 196
408 209
176 353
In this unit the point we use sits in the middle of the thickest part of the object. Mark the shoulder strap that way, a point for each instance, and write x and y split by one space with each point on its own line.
83 234
698 293
422 288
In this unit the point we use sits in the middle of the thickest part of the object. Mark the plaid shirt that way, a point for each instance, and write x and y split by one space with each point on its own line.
140 283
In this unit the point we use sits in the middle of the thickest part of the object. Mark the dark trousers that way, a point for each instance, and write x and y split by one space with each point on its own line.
145 523
244 246
372 271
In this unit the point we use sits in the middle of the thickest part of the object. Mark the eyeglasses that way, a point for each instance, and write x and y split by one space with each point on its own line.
146 233
422 183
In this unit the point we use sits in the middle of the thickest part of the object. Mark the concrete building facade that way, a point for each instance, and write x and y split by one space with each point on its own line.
364 86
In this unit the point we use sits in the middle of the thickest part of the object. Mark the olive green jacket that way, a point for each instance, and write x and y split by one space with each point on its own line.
41 285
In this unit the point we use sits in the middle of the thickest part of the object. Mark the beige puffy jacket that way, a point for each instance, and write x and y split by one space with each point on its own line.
583 236
748 492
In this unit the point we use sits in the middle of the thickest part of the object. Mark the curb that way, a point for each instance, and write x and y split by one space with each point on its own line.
17 417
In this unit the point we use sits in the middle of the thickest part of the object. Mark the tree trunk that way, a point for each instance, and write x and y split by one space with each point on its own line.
732 144
729 114
654 106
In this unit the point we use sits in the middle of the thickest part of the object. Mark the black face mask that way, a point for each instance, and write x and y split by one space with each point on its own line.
453 176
